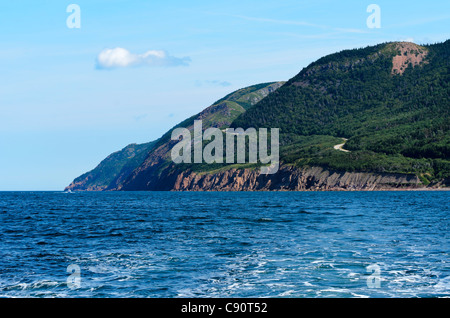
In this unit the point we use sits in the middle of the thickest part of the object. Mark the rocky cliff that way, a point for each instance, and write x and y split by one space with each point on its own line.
290 178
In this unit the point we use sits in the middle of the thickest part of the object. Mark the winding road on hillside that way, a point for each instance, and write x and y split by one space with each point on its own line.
339 147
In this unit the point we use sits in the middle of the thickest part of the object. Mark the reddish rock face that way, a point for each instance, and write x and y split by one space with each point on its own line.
410 53
293 179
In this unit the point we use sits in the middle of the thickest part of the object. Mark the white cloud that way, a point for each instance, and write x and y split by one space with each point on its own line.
120 57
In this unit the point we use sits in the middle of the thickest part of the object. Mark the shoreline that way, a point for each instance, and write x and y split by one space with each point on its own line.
280 190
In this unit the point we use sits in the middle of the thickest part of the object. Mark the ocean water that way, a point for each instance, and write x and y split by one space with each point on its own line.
214 244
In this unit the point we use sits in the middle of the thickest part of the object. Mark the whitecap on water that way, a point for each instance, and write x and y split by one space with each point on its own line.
443 284
287 293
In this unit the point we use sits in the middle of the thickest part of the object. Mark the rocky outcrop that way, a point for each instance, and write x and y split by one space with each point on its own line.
408 54
290 178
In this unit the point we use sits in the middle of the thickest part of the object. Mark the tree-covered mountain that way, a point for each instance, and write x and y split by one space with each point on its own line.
118 167
376 117
391 102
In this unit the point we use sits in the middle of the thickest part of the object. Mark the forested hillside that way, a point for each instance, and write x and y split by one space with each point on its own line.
391 101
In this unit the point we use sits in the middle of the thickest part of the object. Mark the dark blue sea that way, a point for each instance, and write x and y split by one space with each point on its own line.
222 244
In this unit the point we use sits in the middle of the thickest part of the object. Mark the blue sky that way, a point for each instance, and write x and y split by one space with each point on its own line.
65 106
